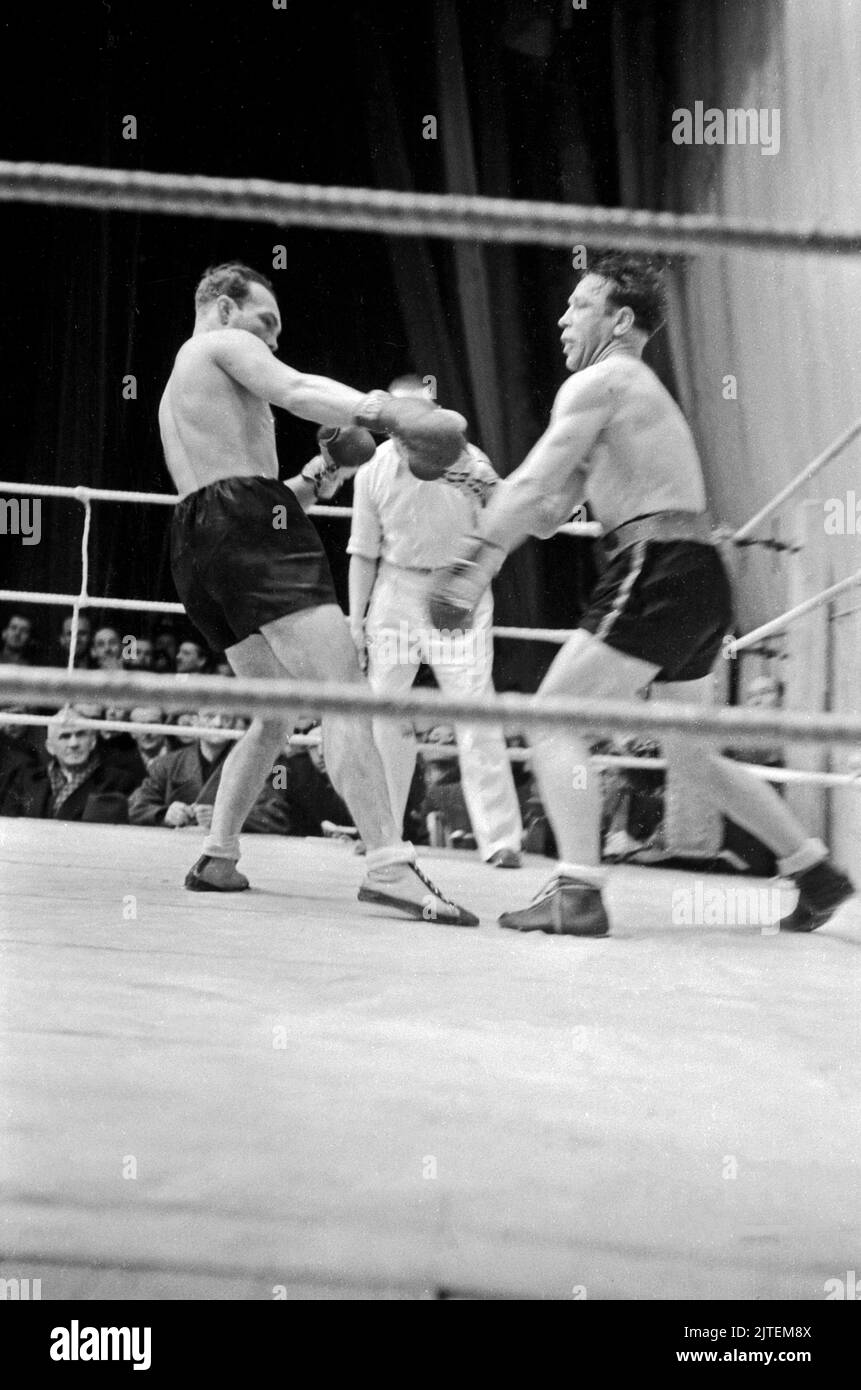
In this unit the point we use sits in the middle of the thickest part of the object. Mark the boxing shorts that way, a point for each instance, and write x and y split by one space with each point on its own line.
664 596
244 553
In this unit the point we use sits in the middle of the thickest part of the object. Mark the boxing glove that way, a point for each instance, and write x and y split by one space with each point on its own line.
432 438
456 589
342 452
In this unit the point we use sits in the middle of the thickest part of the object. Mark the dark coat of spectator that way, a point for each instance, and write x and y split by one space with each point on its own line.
307 795
100 797
185 775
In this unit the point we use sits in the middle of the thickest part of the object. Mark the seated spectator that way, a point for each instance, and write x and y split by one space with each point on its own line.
221 667
164 651
179 787
75 785
443 790
82 644
633 808
149 746
20 745
137 653
187 718
192 659
133 753
307 796
119 749
17 639
106 650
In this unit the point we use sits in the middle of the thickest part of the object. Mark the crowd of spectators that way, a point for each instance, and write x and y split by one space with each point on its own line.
162 777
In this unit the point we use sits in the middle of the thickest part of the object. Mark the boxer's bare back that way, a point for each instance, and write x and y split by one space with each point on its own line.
211 426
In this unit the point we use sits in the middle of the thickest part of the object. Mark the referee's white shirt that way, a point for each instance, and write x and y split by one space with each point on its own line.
415 525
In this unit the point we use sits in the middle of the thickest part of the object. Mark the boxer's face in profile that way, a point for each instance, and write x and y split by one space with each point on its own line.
258 315
588 322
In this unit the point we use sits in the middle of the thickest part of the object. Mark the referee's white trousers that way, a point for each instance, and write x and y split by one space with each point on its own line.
399 638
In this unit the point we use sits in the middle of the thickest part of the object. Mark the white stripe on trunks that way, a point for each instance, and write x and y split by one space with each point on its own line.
638 557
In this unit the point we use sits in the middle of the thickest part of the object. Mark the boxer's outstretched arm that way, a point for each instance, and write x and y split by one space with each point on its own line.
247 359
541 494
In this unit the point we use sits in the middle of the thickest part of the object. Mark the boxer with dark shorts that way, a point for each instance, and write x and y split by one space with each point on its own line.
235 570
658 612
251 571
666 602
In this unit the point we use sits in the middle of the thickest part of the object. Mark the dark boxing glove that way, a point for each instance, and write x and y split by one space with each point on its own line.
433 438
456 589
342 452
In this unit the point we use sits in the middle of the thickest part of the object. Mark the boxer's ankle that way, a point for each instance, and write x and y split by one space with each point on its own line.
390 856
809 853
221 849
591 874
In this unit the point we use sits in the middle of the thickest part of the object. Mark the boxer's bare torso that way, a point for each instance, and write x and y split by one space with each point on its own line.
644 459
616 437
211 426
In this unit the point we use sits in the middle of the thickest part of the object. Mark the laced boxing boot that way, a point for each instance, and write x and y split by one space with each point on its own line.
215 875
821 890
564 907
405 887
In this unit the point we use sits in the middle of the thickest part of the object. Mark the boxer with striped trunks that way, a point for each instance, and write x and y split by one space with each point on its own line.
659 611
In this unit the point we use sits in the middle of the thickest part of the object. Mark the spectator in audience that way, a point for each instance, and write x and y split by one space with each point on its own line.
164 651
20 745
138 654
192 659
106 651
119 749
443 789
17 639
175 724
180 787
633 809
75 785
221 667
149 746
82 644
307 795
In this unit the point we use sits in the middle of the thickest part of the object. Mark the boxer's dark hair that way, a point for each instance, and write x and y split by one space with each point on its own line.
233 279
637 281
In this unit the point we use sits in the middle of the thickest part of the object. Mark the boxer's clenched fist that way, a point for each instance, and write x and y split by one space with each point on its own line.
457 588
433 438
342 452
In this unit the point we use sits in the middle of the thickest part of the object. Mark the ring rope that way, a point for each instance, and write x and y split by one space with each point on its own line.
792 614
271 698
809 471
437 750
403 214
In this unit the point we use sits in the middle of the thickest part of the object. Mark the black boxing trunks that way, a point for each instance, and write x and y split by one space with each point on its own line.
244 553
665 601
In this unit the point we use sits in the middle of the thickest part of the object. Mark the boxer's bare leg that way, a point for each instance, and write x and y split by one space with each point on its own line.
249 761
569 786
315 645
748 800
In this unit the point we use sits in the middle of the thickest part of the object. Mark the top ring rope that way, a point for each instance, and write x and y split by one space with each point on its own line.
403 214
270 698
